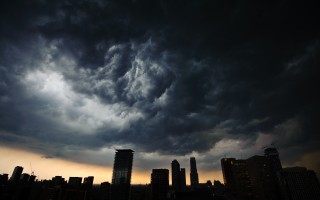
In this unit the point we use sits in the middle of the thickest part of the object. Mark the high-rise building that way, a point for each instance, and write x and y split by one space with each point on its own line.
236 177
24 178
3 180
194 178
88 182
226 166
178 177
121 176
298 183
273 156
75 182
263 178
57 180
183 185
16 174
256 177
159 184
104 193
175 175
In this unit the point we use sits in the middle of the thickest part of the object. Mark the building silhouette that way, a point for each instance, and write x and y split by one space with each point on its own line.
24 178
3 180
272 155
121 176
298 183
57 180
183 185
175 175
263 178
194 178
254 178
159 184
16 174
178 177
104 191
32 178
228 172
236 177
75 182
88 182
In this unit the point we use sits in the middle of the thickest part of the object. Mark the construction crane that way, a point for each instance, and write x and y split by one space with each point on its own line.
32 172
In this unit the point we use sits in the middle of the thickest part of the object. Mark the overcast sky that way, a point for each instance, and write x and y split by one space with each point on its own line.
167 78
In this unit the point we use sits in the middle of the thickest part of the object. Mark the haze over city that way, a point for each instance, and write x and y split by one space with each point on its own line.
168 79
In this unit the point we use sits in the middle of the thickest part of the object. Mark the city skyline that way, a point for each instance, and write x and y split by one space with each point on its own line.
259 177
80 170
168 79
120 164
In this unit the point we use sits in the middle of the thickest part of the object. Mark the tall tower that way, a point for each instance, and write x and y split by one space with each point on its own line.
194 178
273 155
175 170
183 185
16 174
226 166
88 182
236 177
121 176
159 184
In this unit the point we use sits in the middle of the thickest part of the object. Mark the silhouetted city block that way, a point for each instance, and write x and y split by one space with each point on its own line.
263 178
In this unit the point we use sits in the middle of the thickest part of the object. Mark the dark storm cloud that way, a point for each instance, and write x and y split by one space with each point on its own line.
174 76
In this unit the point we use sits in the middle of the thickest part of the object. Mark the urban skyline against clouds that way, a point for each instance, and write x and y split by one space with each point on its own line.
168 79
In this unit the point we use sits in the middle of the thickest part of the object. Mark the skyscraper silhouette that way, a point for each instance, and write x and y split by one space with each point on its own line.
121 176
175 175
255 177
236 177
159 184
183 185
194 178
16 174
273 155
178 177
88 182
262 178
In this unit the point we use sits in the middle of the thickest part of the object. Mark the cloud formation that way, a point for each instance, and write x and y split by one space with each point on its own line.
162 77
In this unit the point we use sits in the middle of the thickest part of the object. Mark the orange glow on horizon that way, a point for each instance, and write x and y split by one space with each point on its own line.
47 168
